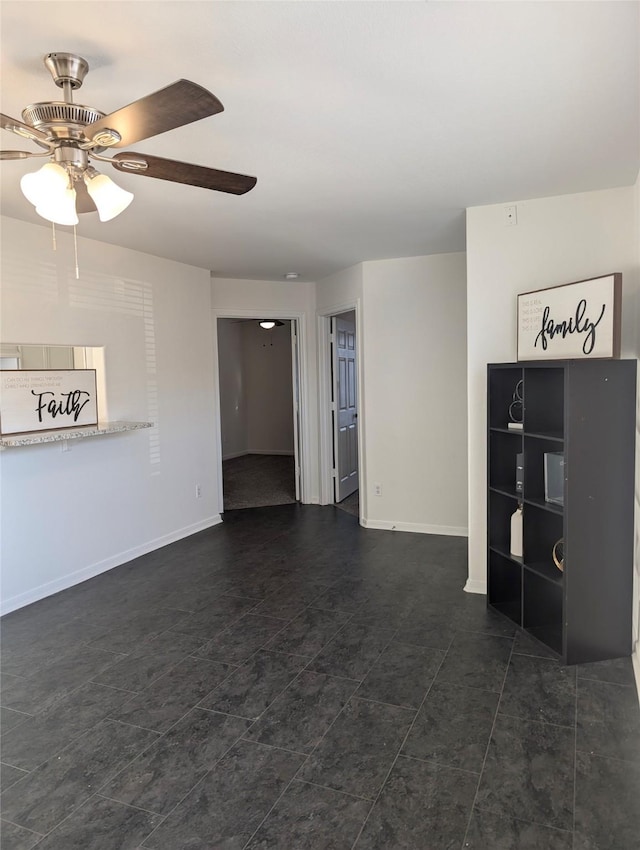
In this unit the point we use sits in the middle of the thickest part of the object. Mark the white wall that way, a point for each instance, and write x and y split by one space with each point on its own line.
339 291
263 297
557 240
414 373
67 516
233 408
282 300
267 368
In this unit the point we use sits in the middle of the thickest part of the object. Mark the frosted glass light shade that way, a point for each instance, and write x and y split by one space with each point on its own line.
38 186
60 207
267 325
109 198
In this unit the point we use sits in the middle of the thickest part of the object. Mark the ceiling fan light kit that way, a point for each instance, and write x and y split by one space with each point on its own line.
72 134
51 193
60 208
109 198
38 185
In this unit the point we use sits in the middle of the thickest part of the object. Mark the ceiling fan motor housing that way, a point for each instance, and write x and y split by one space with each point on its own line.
61 120
71 157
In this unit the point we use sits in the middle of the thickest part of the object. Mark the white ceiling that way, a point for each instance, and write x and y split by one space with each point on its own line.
370 126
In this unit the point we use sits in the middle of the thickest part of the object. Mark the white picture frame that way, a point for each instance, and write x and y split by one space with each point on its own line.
34 400
572 321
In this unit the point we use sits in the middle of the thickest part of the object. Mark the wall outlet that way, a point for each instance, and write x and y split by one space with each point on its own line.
377 489
198 491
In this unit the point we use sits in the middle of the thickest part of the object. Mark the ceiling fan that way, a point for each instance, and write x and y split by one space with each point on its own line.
73 135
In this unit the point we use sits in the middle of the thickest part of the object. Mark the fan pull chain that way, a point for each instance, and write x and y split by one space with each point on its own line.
53 236
75 248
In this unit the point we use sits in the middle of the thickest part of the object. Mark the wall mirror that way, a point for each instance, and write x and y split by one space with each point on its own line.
30 356
18 356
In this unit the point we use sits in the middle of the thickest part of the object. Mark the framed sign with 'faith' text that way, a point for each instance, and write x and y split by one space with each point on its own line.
572 321
47 399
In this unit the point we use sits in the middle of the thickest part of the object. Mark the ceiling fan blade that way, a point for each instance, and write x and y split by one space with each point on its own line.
173 106
17 154
84 201
183 172
21 129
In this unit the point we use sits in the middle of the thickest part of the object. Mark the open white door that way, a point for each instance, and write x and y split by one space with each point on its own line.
295 375
344 405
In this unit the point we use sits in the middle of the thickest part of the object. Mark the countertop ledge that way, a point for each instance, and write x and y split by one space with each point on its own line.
34 438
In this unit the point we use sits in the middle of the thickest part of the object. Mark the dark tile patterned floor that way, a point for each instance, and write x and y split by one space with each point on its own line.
256 481
291 681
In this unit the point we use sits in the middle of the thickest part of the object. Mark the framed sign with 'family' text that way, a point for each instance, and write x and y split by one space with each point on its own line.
47 399
572 321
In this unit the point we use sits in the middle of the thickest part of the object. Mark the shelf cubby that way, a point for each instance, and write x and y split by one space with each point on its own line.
505 586
502 387
541 531
544 400
535 449
501 507
503 449
542 610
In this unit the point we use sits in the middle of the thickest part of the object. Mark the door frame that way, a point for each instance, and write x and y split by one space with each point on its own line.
324 401
300 318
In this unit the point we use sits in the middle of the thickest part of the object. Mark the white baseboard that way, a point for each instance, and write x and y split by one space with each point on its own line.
415 527
635 658
476 586
71 579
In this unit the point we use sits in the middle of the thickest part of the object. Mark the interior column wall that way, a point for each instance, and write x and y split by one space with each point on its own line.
414 368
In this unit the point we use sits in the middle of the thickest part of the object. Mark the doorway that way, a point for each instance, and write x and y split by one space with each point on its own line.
344 411
259 412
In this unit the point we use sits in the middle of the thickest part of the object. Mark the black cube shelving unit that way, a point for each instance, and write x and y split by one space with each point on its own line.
586 410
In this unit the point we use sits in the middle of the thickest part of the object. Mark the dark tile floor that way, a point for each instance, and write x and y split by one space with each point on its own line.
289 680
257 481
